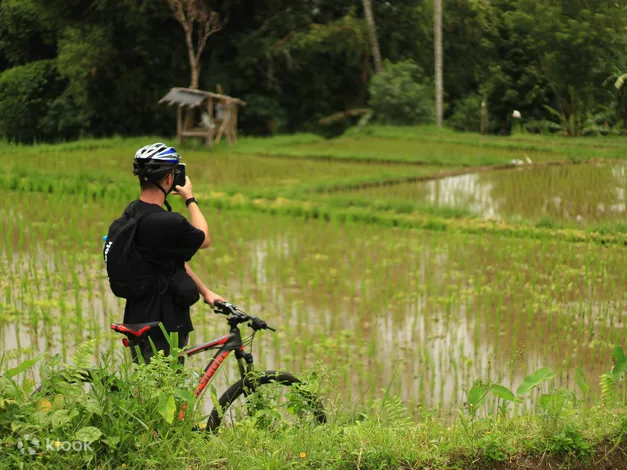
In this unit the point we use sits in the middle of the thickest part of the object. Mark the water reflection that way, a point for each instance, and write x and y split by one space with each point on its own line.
581 193
464 191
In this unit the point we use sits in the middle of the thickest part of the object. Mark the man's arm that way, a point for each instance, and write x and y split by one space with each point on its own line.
198 220
209 296
195 215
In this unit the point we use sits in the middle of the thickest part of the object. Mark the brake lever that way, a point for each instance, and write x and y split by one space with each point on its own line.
258 324
224 308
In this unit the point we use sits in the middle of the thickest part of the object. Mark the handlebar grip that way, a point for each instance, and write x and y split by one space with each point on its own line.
225 308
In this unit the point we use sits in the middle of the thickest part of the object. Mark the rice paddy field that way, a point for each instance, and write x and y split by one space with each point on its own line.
421 313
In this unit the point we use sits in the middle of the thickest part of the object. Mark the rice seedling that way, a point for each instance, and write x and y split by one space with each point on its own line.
547 195
420 312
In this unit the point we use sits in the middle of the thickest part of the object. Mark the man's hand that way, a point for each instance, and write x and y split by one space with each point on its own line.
212 297
184 191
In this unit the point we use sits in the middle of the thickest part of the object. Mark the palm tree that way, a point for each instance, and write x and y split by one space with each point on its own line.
376 53
437 30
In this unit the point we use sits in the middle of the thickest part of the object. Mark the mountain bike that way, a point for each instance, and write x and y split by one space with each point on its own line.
255 388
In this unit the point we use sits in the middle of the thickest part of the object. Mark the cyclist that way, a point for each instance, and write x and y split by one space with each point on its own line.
166 241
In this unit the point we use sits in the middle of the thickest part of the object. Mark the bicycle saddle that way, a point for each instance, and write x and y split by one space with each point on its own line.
135 329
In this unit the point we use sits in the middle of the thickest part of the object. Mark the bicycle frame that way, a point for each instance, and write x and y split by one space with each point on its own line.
224 345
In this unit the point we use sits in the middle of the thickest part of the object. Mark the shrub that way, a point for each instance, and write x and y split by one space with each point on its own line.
24 92
402 95
34 107
467 114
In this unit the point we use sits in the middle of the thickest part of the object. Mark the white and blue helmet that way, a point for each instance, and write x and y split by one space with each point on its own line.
153 162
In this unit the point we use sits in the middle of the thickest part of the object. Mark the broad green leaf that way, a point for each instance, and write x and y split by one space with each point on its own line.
620 361
551 401
503 392
16 426
476 395
58 402
214 395
112 441
23 366
185 395
167 407
93 406
533 380
60 418
581 381
88 434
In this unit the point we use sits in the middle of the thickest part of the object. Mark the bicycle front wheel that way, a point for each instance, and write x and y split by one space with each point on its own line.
270 399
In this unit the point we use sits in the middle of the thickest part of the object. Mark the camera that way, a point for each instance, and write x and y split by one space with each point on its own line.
179 175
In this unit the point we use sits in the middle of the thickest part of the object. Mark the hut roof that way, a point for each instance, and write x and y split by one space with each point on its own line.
192 98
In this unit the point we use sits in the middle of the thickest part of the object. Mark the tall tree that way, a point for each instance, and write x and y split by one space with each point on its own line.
372 31
191 13
437 30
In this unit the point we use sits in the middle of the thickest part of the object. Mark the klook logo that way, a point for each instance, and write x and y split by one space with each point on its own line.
26 445
29 445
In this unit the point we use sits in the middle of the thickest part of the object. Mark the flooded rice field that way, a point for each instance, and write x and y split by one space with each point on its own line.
580 193
421 313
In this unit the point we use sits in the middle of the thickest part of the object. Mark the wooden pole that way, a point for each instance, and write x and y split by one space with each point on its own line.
229 127
210 129
231 117
235 122
225 122
179 118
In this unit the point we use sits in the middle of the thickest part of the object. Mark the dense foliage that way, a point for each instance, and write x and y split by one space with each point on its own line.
296 62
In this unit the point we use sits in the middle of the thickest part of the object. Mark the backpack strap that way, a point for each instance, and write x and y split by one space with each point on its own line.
134 218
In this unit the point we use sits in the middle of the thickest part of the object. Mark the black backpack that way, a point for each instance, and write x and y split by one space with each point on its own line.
131 273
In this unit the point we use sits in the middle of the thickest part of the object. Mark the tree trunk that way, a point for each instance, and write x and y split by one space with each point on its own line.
194 83
437 27
372 30
195 75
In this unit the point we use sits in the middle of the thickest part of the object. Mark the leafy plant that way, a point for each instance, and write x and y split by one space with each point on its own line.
467 114
401 94
613 382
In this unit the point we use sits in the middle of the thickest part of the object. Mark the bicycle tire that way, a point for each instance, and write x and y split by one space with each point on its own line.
240 387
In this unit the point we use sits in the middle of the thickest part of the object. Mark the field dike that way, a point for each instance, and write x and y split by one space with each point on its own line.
273 203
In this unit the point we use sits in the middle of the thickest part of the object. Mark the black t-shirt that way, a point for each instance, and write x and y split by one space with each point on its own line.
168 240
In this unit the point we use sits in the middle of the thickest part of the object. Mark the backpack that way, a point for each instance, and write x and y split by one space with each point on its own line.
131 273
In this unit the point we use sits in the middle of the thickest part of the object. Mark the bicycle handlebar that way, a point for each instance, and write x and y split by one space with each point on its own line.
225 308
237 316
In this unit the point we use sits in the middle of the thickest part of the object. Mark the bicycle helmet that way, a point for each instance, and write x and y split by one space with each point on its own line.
154 162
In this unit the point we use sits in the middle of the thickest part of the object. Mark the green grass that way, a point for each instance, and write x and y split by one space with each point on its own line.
130 428
429 145
110 163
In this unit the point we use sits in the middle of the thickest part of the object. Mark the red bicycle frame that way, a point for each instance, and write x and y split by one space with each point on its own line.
225 345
